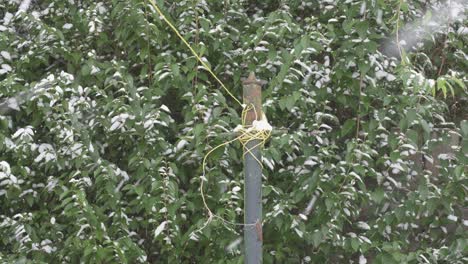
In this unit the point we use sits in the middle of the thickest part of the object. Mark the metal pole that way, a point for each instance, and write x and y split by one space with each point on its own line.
252 95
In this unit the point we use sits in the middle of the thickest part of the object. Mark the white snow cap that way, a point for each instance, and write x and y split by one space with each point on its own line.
262 125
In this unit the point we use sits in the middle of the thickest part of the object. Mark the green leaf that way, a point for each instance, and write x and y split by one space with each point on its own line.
459 82
451 88
317 238
378 195
85 70
355 244
287 102
464 146
348 126
425 126
441 86
139 190
361 28
364 67
464 128
411 115
348 25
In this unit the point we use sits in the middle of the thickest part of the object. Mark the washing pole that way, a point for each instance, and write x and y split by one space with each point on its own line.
253 240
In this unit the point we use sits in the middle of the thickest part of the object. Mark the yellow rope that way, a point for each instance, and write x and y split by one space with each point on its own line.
247 133
193 51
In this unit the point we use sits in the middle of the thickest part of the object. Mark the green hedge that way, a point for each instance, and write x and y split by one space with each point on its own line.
106 117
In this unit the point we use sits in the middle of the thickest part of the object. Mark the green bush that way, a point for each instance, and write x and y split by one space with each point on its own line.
106 117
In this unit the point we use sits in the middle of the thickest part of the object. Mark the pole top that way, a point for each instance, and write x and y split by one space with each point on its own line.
252 80
252 95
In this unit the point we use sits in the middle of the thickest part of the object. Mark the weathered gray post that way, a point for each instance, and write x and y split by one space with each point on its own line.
252 96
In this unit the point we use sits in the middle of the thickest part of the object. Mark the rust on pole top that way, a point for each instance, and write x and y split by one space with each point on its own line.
252 97
252 79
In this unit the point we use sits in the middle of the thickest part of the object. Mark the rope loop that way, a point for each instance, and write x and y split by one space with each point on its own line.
259 131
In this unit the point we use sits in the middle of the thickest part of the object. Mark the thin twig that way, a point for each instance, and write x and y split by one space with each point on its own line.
398 28
445 41
358 118
197 46
150 73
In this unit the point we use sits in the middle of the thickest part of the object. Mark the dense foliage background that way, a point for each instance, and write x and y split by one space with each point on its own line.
106 116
